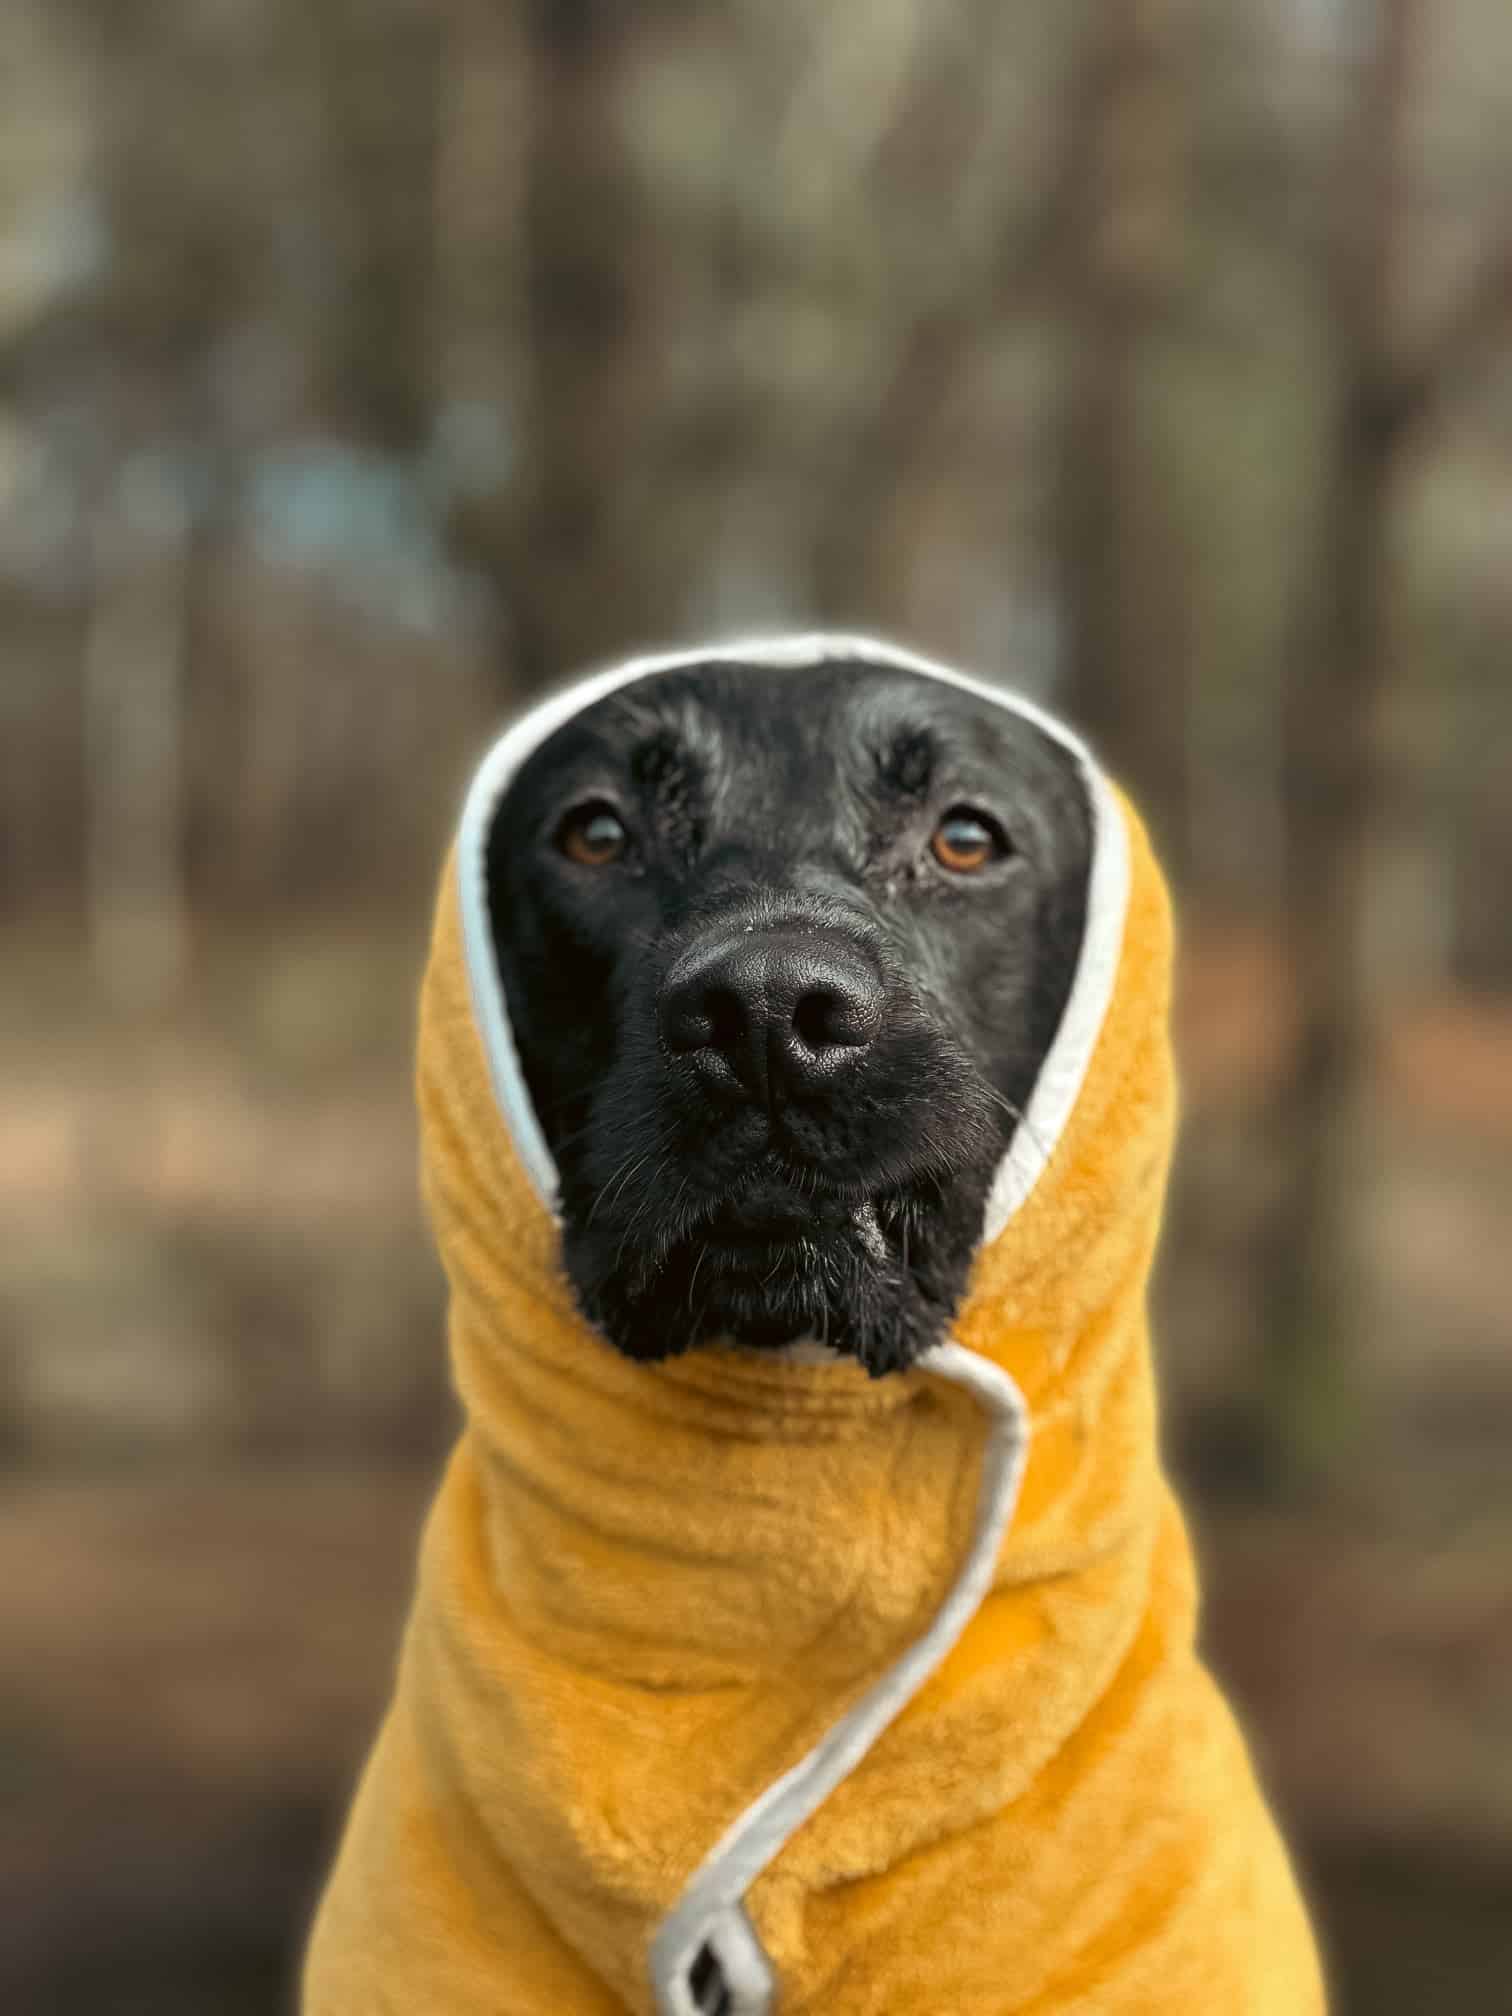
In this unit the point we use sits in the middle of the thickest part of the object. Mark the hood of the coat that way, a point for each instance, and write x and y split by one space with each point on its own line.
473 1094
726 1674
619 1516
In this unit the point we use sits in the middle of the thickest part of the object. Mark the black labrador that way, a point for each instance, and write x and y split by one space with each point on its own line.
783 952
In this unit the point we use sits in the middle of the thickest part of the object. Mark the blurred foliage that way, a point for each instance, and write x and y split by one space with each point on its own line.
364 367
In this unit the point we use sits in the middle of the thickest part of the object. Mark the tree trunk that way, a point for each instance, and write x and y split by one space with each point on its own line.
1124 631
1330 793
1310 1290
579 569
378 77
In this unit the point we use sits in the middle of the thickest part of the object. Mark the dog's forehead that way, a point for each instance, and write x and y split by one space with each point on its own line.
742 725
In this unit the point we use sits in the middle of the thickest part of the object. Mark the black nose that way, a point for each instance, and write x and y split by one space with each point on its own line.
771 1012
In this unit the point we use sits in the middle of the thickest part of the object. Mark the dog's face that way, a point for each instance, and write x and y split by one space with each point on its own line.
783 952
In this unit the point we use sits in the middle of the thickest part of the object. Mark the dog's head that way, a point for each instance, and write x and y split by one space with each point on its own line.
783 951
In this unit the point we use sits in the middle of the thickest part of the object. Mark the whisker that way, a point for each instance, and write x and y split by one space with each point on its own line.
640 1210
1019 1118
617 1182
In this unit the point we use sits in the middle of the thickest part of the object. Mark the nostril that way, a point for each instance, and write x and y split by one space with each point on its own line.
725 1014
686 1025
705 1018
837 1014
825 1016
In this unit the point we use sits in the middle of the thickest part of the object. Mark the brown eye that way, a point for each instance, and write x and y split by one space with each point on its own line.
964 841
593 836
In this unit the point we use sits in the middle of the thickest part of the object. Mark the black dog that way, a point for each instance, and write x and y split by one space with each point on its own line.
783 951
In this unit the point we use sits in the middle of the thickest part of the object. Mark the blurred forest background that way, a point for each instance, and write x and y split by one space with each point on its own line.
366 364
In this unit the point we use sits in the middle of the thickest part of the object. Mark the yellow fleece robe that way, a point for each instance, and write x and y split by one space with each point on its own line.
650 1594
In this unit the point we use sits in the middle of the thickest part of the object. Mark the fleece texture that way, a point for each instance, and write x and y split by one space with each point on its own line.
647 1592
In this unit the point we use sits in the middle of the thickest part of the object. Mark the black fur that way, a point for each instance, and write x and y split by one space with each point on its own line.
792 811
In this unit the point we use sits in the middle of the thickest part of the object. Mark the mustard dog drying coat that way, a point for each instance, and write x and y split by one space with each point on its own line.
747 1683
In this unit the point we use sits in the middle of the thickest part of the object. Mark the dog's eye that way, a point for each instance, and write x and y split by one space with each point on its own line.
965 841
593 835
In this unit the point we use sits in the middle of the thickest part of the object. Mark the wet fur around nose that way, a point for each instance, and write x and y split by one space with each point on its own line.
741 1183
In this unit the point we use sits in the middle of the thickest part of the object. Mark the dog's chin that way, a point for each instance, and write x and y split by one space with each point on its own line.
766 1294
857 1278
